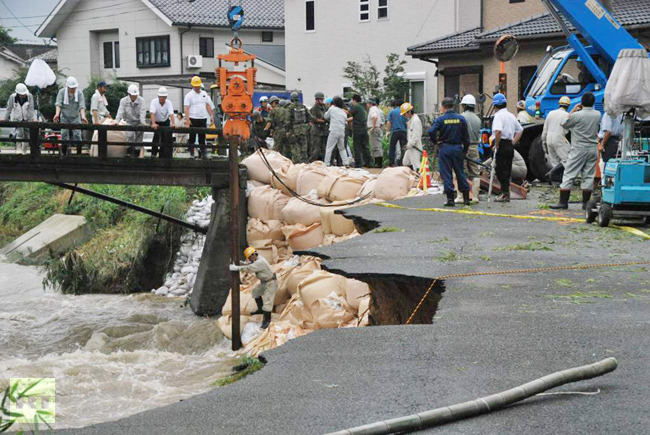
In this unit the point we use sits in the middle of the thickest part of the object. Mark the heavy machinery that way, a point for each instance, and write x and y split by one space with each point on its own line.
572 70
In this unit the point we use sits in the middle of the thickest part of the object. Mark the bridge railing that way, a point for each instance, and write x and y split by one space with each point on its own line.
38 130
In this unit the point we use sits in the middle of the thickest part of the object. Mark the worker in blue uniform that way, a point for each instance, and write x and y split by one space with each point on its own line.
450 130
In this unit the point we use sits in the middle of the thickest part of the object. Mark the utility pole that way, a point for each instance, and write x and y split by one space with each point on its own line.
236 88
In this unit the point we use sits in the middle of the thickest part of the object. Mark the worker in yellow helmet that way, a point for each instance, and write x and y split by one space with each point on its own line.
264 293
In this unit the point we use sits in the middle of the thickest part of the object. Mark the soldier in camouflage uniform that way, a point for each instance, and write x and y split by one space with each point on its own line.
276 126
301 119
319 130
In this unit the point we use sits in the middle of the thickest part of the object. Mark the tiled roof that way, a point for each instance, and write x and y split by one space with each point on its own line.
627 12
259 14
464 39
49 56
28 51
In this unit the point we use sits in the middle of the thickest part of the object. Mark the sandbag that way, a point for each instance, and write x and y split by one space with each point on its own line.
247 304
296 275
296 313
301 237
319 285
330 312
332 239
225 325
260 230
355 290
284 250
289 176
257 169
266 249
394 183
368 188
266 203
309 178
335 223
300 212
114 151
364 311
340 187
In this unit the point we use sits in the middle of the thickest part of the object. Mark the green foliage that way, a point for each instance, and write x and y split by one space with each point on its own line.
532 246
248 365
116 91
5 37
46 98
389 230
365 78
11 399
448 256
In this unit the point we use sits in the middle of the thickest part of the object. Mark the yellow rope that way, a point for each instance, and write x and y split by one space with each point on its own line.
517 271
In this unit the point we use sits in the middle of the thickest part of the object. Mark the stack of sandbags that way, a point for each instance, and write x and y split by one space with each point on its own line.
266 203
289 177
300 212
395 183
264 230
301 237
340 187
309 178
257 169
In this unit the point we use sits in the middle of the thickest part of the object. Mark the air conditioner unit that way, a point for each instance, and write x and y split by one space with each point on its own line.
194 61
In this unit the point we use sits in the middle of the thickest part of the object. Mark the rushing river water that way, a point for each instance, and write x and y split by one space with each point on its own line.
111 356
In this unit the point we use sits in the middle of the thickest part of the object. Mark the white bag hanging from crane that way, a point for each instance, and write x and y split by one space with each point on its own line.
40 74
629 84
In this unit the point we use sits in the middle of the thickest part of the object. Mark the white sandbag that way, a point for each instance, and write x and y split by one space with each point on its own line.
289 176
225 325
330 312
355 290
309 178
299 212
266 203
257 169
301 237
319 285
519 168
394 183
266 249
335 223
628 86
113 151
340 187
264 230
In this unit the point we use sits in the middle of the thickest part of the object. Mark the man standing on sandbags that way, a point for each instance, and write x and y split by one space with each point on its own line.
264 293
450 130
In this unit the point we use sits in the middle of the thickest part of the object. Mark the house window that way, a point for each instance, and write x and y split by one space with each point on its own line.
526 73
267 36
111 54
310 25
152 52
382 10
206 47
364 10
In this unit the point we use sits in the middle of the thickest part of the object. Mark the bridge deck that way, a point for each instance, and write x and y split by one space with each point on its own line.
163 172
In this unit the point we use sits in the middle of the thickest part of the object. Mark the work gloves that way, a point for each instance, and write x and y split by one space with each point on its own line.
233 268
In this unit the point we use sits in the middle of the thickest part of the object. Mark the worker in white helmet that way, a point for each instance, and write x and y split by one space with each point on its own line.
20 107
472 170
70 109
161 111
522 115
413 150
133 111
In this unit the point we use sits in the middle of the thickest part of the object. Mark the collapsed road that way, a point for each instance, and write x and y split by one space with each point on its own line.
489 333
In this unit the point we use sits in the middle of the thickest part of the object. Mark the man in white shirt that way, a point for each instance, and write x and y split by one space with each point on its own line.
99 104
554 135
133 111
507 132
197 108
161 111
413 152
609 136
338 121
375 122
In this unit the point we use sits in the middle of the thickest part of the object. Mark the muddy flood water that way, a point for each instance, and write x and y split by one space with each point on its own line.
111 356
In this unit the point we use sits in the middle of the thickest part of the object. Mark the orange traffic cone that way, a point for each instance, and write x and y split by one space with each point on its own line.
425 175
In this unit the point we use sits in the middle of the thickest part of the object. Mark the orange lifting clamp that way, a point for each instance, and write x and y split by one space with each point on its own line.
237 88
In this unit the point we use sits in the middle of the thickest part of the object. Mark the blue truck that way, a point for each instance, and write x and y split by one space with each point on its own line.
572 70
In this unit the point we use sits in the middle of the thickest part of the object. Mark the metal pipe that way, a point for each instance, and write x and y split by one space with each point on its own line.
483 405
135 207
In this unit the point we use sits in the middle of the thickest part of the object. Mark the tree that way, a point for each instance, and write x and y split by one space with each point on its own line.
5 37
365 78
46 97
116 91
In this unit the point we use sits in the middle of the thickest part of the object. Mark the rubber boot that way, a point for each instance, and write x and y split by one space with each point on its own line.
466 200
564 200
267 319
450 199
259 303
459 198
586 196
476 190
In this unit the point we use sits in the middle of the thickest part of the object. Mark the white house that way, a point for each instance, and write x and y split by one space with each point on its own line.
323 35
9 61
162 42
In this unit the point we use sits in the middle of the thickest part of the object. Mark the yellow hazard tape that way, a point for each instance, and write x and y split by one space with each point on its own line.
630 230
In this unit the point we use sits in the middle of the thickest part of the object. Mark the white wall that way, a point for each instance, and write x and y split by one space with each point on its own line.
315 60
7 68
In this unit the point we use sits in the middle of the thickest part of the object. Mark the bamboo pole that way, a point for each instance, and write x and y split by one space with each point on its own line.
483 405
